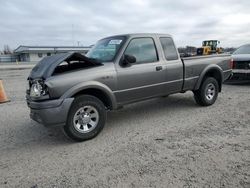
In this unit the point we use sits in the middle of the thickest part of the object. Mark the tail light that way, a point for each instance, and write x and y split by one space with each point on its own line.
232 64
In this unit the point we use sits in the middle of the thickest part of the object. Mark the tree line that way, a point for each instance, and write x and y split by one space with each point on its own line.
6 50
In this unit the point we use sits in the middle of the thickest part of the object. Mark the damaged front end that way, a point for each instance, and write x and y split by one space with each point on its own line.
44 107
55 65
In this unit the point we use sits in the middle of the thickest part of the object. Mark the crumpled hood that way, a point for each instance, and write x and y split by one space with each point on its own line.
47 65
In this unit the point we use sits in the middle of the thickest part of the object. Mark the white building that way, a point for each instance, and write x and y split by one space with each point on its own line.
36 53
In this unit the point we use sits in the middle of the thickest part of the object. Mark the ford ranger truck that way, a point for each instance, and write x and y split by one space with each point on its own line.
75 91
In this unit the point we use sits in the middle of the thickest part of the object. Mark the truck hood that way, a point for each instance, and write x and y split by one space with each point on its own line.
47 66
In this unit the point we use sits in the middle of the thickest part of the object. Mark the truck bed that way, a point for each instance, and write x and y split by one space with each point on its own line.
194 66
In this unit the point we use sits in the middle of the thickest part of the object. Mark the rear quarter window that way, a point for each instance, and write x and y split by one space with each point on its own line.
169 49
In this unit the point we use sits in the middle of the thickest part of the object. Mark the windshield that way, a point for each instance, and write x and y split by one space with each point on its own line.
106 49
243 50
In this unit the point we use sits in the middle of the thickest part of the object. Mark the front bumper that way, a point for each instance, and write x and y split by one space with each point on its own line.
243 71
50 112
241 74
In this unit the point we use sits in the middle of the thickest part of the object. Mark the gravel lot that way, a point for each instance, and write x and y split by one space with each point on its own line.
164 142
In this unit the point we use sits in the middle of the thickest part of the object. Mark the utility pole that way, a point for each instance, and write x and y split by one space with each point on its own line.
73 40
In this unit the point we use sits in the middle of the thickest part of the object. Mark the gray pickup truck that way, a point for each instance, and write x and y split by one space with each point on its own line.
76 91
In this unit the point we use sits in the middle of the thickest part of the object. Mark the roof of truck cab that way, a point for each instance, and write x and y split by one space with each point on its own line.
141 35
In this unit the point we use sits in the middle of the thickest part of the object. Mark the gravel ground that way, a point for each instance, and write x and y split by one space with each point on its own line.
164 142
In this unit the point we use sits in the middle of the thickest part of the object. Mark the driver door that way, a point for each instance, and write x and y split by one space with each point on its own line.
142 79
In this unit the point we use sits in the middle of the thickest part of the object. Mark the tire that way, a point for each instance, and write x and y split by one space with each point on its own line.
86 118
207 94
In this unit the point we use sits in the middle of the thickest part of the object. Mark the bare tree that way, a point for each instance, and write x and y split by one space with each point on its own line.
6 49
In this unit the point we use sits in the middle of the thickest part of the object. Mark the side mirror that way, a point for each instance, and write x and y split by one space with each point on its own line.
128 59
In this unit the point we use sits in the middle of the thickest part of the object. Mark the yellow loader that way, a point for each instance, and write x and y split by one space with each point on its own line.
209 47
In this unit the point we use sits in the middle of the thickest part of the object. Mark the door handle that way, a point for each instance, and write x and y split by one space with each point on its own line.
158 68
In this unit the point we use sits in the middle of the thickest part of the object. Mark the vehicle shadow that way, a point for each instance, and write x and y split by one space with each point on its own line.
163 105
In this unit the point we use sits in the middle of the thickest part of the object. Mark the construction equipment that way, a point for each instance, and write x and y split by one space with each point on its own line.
3 96
209 47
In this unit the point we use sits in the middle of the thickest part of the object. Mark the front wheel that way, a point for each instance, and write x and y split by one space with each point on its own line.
86 118
207 93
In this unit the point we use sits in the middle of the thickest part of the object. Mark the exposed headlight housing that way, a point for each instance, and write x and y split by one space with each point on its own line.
38 89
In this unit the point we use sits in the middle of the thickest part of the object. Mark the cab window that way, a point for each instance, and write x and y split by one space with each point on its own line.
143 49
168 48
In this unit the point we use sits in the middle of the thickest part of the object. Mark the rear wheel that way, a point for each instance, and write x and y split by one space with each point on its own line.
86 118
208 92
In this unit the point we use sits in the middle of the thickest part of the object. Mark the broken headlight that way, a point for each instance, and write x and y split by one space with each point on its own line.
38 88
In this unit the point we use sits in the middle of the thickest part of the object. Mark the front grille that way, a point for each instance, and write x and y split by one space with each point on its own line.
242 65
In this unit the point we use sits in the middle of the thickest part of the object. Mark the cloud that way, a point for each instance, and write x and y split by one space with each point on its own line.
62 22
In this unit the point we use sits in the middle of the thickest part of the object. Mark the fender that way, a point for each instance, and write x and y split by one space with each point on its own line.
91 85
212 68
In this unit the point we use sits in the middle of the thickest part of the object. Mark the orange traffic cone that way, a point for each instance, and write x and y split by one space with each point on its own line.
3 97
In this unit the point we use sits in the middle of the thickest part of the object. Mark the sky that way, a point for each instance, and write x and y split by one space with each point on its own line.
81 22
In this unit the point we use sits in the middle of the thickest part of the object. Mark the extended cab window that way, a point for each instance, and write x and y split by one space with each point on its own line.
169 48
143 49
